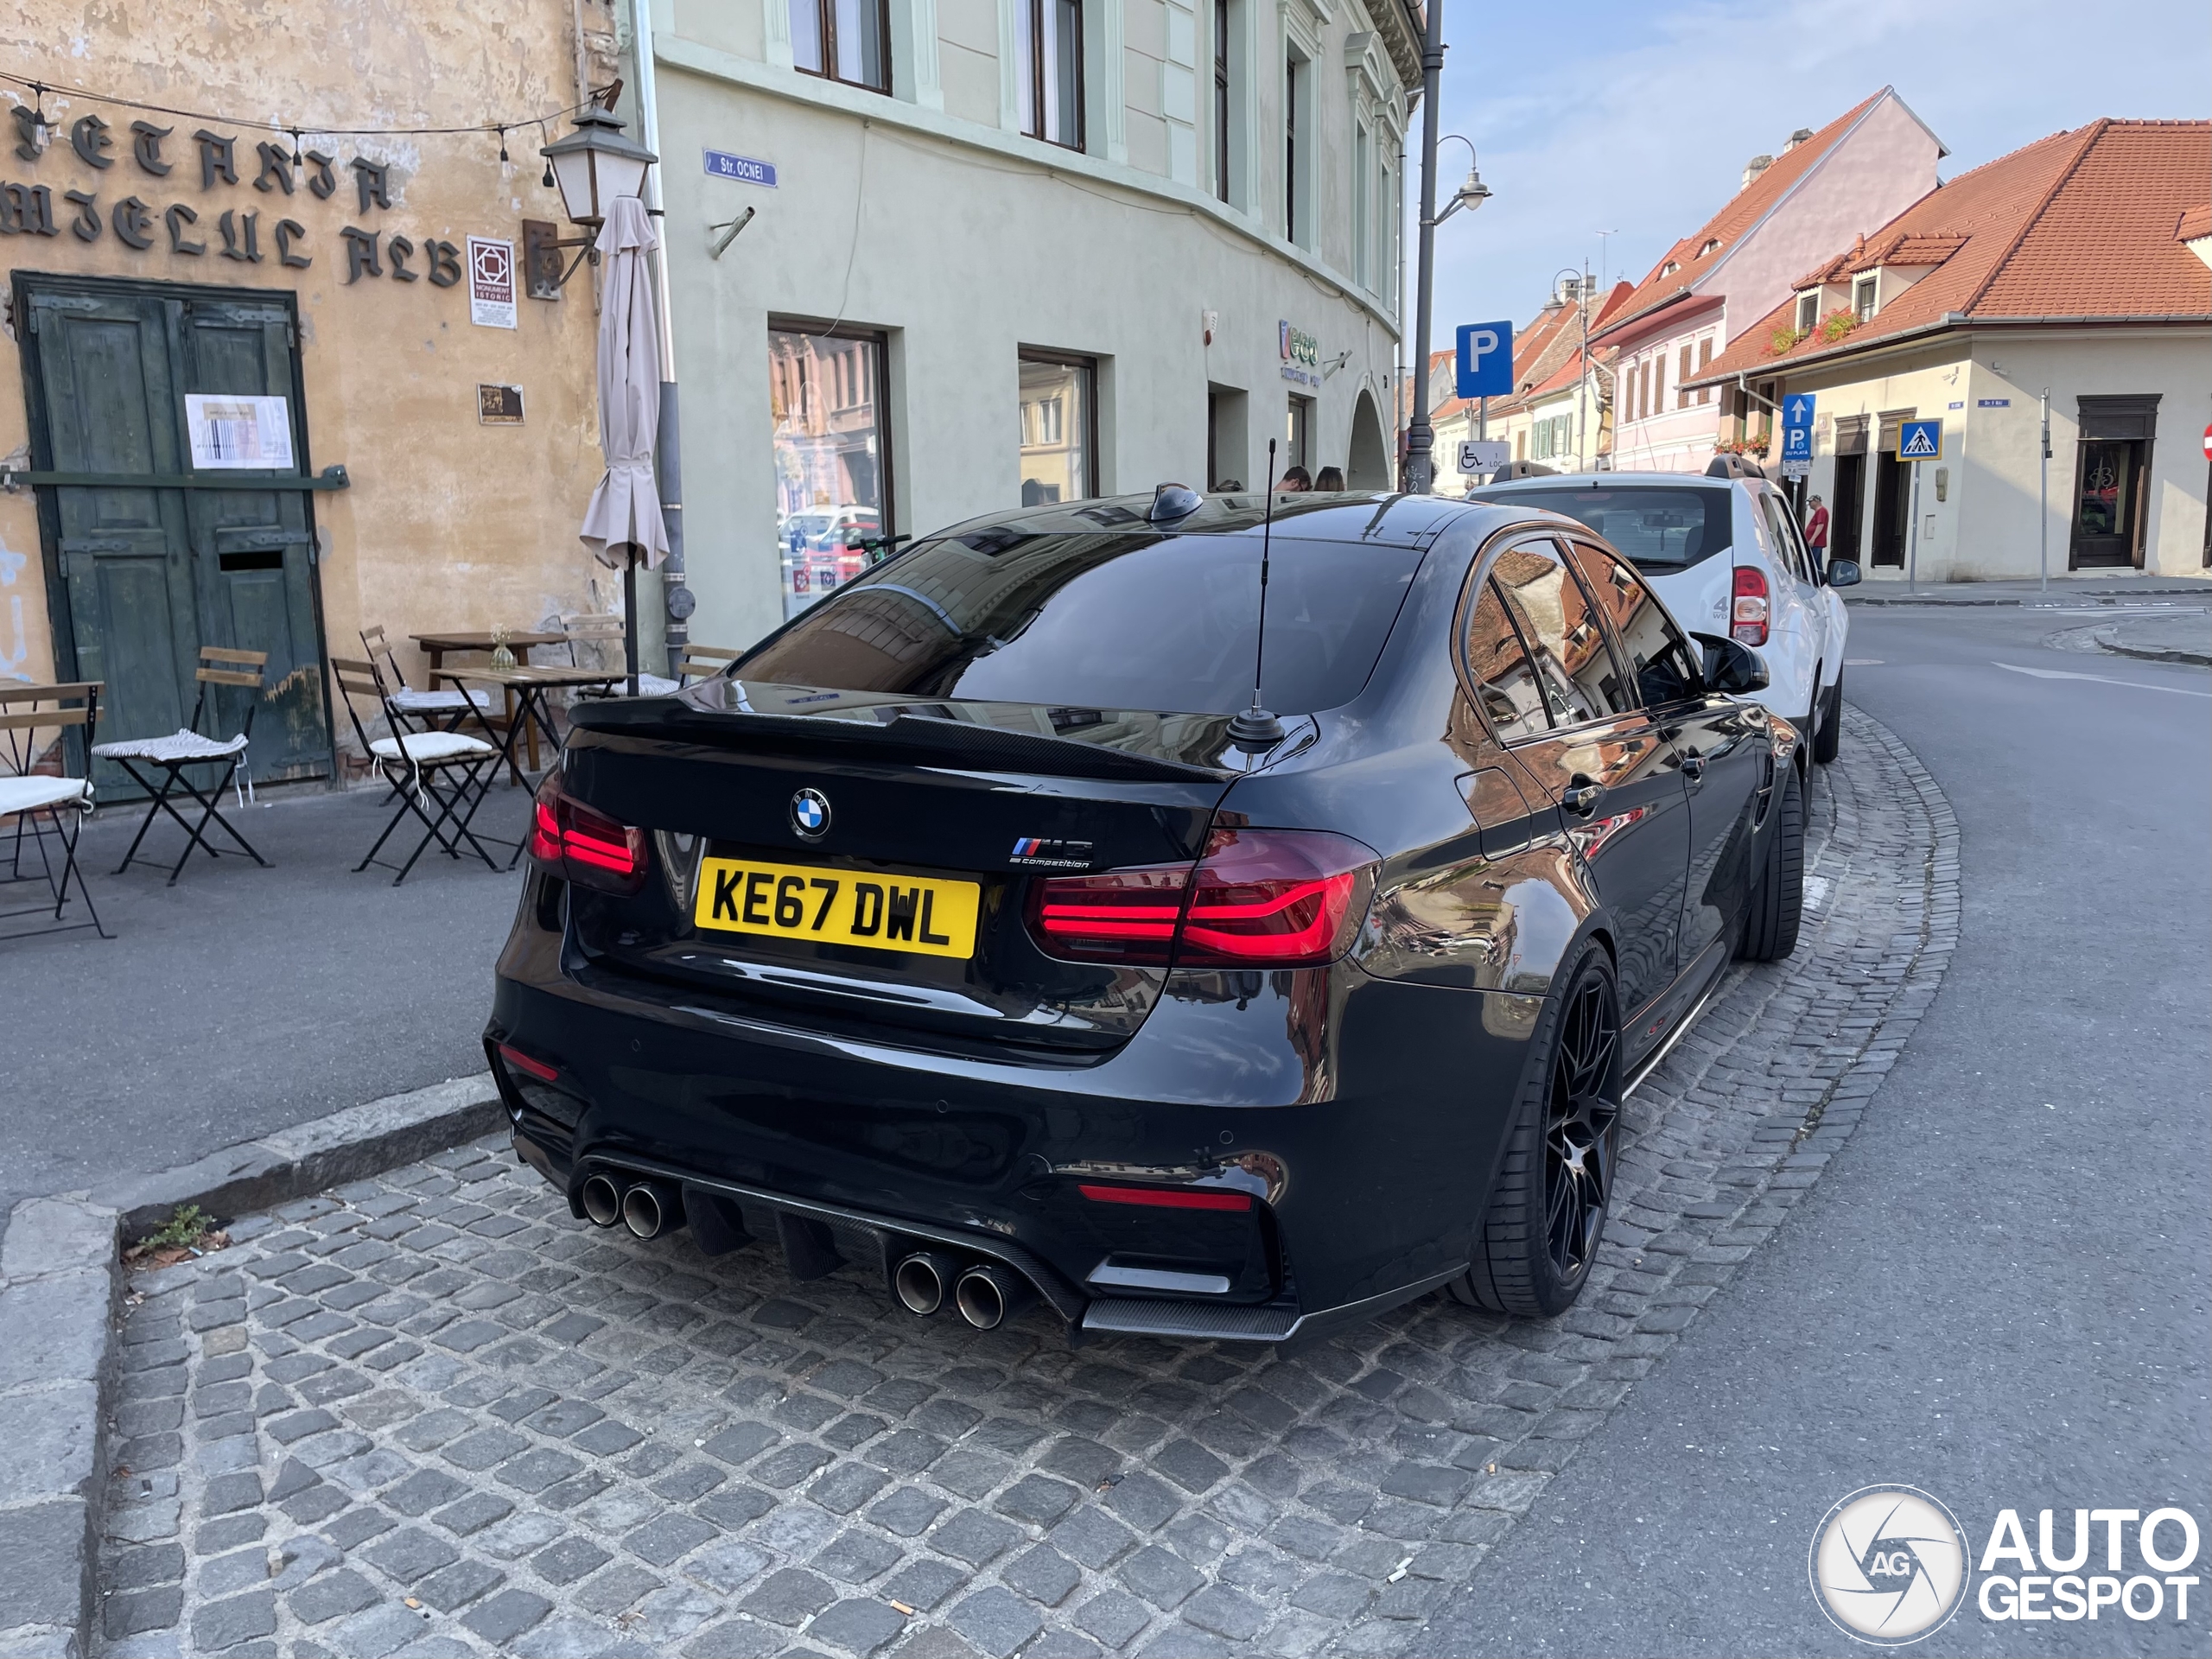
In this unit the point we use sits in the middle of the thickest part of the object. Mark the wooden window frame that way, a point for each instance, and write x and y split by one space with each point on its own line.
1032 22
826 14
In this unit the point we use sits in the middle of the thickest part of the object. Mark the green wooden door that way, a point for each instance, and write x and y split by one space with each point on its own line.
149 574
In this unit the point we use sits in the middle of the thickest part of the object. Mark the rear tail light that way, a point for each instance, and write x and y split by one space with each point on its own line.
583 844
1747 620
1257 898
527 1064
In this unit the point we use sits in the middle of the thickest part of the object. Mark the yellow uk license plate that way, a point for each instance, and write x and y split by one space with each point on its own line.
928 916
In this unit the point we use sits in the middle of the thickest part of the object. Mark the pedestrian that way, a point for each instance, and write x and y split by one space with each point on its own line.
1294 480
1816 531
1329 478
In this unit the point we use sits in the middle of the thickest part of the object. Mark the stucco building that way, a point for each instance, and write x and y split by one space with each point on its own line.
1009 250
2075 265
235 262
1793 209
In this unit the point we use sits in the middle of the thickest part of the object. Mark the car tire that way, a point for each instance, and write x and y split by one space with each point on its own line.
1777 901
1827 742
1534 1244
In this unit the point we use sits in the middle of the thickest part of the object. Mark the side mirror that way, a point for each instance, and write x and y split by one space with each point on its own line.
1843 573
1730 669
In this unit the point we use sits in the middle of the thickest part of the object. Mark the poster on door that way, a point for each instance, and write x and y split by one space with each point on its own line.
231 431
491 282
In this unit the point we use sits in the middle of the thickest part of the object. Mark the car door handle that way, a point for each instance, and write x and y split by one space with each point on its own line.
1693 765
1580 795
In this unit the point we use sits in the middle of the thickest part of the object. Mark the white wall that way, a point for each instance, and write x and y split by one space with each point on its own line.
1989 528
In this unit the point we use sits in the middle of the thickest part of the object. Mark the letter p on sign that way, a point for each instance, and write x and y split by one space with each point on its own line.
1485 366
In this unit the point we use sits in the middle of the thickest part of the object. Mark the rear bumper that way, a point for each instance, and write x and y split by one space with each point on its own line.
1362 1118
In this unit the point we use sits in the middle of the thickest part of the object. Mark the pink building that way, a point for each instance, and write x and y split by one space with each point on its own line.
1794 210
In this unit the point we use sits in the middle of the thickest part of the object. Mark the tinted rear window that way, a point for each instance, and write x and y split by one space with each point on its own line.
1661 527
1146 622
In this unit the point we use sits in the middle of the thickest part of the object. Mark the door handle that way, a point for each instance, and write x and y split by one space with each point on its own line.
1580 795
1693 765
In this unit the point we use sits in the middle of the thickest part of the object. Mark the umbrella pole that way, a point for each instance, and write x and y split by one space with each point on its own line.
630 617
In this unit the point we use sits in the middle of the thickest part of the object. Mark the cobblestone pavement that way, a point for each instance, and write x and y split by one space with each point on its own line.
431 1413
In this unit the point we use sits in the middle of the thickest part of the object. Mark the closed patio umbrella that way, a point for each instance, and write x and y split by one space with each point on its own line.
623 521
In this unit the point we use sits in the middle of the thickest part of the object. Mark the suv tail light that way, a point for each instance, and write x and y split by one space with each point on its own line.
1257 898
582 844
1747 618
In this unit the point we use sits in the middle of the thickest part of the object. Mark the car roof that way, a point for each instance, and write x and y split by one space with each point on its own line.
1682 481
1372 516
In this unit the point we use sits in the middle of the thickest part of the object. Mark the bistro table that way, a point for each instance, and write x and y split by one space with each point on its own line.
526 687
437 646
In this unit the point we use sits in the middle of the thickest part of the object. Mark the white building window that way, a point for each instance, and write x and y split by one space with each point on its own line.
1363 177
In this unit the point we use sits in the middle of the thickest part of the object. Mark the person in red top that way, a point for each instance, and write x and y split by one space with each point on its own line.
1816 529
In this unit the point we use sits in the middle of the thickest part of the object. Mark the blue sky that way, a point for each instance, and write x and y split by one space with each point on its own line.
1638 118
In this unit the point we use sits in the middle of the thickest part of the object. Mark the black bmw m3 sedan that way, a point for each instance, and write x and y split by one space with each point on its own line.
971 932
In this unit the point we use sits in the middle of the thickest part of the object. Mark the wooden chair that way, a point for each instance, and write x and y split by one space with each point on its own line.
431 710
186 748
42 802
446 771
598 641
704 662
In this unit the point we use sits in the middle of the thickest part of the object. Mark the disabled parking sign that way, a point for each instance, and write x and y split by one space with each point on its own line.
1920 441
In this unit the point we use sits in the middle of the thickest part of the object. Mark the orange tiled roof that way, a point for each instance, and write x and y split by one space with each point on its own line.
2080 223
2195 222
1694 254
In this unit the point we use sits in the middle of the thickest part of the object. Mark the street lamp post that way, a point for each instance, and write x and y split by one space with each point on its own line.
1420 435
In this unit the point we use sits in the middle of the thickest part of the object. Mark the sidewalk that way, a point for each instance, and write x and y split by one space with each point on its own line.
2114 588
244 1000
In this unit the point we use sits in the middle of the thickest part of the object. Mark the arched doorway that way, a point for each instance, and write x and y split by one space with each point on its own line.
1367 467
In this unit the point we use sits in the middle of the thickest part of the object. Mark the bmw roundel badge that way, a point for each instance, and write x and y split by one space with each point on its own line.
810 814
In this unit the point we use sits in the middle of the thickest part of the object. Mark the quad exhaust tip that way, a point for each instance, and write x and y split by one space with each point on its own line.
989 1295
922 1281
650 1209
602 1202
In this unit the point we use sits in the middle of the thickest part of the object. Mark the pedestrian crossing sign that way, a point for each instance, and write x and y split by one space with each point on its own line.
1920 441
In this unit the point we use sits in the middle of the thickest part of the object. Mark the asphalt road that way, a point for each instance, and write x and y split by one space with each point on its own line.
242 1000
1998 1292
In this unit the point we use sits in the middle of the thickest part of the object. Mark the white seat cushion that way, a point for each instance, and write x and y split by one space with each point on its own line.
178 745
28 794
425 747
652 685
438 702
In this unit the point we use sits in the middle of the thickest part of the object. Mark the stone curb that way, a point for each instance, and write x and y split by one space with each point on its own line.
2197 590
61 1281
2108 638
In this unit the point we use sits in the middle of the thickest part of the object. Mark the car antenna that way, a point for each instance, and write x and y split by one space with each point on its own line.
1255 731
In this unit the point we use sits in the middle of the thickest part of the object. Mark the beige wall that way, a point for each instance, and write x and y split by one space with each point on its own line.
1988 527
449 523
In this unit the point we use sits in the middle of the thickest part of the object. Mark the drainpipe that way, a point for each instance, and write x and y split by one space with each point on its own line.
668 452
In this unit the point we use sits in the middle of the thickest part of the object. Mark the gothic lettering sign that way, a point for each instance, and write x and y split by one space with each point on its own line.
255 203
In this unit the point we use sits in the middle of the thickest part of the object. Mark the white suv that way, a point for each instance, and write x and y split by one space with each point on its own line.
1726 556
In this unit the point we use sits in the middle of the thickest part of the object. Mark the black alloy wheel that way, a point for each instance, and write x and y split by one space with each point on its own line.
1579 1119
1535 1246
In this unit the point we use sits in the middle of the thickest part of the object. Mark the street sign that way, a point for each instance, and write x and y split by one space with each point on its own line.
1796 432
1920 441
1796 469
1479 455
1485 367
2208 442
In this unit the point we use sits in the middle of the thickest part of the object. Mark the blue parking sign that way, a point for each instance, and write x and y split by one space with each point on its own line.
1485 366
1797 427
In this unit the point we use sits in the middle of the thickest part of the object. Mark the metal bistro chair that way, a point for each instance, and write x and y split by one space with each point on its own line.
187 748
601 639
449 770
45 802
422 710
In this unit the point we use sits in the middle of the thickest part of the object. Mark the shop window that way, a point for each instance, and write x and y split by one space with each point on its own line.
829 418
1049 66
842 39
1059 448
1298 432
